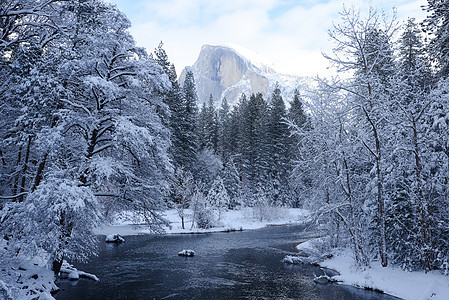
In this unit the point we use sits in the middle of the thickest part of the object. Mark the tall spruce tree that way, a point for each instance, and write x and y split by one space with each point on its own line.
278 140
225 149
187 125
437 24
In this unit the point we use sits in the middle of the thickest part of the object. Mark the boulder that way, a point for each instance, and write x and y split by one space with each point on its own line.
114 238
186 253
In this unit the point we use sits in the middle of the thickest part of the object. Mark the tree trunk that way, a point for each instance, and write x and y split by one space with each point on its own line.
39 172
25 169
3 158
425 236
16 180
380 200
57 263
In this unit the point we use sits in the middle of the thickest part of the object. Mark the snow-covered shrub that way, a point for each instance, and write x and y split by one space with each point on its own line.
57 217
266 212
263 211
205 217
203 214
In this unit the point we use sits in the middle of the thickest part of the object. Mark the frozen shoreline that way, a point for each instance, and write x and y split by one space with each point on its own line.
234 220
391 280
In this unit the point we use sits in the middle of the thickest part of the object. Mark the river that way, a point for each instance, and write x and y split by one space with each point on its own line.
235 265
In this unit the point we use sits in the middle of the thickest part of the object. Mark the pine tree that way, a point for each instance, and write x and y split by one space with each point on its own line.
296 111
231 181
437 25
409 206
224 132
278 139
174 99
218 197
212 126
298 120
208 127
201 127
253 140
189 139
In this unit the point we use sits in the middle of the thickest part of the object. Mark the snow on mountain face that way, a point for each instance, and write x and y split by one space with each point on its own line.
229 71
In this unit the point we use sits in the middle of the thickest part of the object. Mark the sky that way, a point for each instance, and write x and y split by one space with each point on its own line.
291 34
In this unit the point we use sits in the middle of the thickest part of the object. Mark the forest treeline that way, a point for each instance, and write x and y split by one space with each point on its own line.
92 125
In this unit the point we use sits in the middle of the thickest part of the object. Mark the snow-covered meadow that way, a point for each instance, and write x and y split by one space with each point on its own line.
231 220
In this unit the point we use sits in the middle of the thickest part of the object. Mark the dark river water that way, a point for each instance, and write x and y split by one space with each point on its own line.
236 265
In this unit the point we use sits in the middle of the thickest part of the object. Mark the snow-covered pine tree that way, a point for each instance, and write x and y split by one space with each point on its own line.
201 130
253 138
408 215
188 139
437 25
218 197
279 146
297 119
296 112
224 131
211 126
231 181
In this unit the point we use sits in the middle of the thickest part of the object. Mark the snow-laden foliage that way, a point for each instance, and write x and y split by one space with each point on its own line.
218 197
203 214
58 217
82 134
373 162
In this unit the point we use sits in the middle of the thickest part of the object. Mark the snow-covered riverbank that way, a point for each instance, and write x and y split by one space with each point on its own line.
391 280
24 279
243 219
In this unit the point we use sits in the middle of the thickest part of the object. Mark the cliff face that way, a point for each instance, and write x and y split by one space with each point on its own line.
224 72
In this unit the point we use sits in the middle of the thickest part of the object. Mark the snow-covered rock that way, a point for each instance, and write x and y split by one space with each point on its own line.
70 272
230 70
186 253
323 279
114 238
293 260
73 275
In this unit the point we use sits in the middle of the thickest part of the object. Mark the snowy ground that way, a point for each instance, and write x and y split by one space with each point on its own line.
243 219
391 280
24 279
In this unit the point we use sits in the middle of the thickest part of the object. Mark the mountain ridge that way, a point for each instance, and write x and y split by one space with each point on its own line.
228 71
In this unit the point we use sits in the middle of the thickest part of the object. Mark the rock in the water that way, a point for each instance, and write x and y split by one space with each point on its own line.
74 275
323 279
114 238
293 260
186 253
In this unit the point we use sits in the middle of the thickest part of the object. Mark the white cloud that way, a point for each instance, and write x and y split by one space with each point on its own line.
292 39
